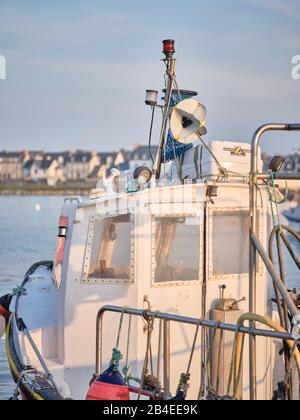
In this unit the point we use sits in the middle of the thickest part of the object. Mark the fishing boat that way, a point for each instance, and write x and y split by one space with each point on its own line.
162 286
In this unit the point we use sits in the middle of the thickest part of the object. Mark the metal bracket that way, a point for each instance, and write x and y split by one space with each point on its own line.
296 327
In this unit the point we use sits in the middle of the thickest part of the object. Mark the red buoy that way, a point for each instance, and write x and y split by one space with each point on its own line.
4 306
100 391
110 386
4 313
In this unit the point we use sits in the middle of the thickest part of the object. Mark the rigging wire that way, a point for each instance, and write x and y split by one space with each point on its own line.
150 134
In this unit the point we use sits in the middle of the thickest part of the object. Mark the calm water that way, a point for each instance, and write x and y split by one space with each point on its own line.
27 236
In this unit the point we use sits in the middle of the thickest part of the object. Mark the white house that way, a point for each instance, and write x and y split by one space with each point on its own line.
80 165
11 165
46 171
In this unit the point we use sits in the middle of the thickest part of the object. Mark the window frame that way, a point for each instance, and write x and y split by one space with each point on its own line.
234 276
88 250
177 283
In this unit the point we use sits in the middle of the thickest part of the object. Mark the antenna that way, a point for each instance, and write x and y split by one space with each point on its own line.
188 121
169 60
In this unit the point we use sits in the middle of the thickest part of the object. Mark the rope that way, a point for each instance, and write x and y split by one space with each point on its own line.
183 385
288 380
194 346
205 365
284 389
16 391
222 171
206 368
116 354
213 394
272 189
19 291
273 200
150 323
150 134
120 328
151 382
127 370
129 332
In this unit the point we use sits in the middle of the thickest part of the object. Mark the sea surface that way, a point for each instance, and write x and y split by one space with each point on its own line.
28 230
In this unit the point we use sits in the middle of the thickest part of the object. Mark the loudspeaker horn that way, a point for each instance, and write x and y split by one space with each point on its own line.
188 121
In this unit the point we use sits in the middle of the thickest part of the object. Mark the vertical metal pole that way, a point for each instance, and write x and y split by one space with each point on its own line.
203 304
252 281
99 344
287 353
171 77
167 356
252 248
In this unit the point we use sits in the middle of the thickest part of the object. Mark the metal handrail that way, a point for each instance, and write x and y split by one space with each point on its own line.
168 318
254 245
254 175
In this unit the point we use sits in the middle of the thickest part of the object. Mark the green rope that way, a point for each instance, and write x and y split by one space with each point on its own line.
127 368
273 201
116 358
116 354
19 290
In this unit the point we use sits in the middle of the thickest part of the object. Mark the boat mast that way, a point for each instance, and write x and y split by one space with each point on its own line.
170 61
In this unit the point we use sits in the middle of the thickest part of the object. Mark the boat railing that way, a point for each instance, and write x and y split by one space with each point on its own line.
167 320
257 248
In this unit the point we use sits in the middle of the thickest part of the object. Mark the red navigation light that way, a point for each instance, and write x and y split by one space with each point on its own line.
169 47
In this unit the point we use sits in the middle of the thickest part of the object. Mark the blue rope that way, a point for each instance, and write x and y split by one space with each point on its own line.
173 148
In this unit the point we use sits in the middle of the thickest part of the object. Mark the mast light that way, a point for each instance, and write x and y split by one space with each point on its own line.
151 97
169 47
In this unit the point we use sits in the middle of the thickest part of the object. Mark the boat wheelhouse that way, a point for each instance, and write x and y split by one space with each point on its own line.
173 263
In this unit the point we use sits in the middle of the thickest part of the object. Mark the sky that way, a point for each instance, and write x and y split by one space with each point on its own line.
77 70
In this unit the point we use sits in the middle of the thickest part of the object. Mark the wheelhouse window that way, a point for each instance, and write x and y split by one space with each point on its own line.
177 249
230 242
110 248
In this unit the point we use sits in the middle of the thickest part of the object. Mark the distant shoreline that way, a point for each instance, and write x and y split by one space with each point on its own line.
45 190
49 193
85 189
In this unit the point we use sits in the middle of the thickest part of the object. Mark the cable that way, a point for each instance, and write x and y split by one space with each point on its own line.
150 134
238 347
221 169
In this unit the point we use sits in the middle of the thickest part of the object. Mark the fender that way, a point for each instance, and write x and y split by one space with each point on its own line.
60 250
